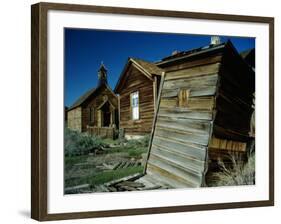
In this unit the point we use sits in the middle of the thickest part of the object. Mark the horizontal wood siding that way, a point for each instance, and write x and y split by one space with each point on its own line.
179 146
74 120
235 96
136 81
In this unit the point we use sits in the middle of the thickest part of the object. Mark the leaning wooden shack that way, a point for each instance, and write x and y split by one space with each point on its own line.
204 112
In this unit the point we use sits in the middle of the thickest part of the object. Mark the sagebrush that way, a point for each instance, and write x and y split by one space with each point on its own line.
76 143
141 142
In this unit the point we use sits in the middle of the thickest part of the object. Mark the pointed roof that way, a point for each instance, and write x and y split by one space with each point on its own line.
146 68
88 94
82 98
102 67
149 67
249 56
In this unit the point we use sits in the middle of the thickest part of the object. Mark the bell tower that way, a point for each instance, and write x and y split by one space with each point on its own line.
102 74
215 40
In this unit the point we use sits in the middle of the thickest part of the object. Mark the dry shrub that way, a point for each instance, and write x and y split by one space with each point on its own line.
238 173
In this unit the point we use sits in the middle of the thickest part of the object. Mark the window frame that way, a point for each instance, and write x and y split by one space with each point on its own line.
132 107
91 114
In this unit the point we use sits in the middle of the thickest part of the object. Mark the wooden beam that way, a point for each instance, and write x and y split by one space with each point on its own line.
227 145
155 93
119 118
154 121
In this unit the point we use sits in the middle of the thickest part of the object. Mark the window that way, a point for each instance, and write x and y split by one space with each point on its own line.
92 114
135 105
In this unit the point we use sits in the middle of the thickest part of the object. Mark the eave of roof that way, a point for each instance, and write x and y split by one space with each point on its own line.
191 53
81 99
147 68
86 95
151 68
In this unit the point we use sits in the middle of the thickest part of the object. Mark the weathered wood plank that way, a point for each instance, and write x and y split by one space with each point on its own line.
193 72
189 173
128 178
194 103
183 124
227 145
182 136
206 80
164 178
155 180
181 159
194 91
176 172
194 151
144 180
178 112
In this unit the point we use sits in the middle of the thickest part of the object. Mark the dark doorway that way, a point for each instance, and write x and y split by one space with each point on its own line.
106 114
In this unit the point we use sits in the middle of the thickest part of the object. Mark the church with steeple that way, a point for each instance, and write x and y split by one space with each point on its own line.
96 111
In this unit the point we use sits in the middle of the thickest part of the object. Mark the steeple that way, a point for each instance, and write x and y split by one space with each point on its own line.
102 74
215 40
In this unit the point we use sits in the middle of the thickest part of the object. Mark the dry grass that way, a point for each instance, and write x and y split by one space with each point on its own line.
238 173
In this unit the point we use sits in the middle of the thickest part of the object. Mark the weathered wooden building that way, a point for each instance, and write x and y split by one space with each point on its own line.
137 88
203 113
96 110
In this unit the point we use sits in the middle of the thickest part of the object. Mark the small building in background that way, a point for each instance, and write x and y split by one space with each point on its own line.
95 111
65 114
137 88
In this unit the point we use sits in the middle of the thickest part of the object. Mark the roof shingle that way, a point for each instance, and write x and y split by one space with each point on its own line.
149 67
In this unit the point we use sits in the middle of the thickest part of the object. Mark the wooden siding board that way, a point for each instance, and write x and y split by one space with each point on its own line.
202 90
181 113
161 177
74 119
191 150
193 72
182 159
194 103
227 145
176 172
181 136
185 124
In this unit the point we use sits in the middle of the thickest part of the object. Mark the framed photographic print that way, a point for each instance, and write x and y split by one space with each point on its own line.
139 111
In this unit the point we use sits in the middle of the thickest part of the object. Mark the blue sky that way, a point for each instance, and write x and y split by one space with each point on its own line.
86 49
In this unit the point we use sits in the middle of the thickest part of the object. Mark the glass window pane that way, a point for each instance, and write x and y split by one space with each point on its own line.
135 105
